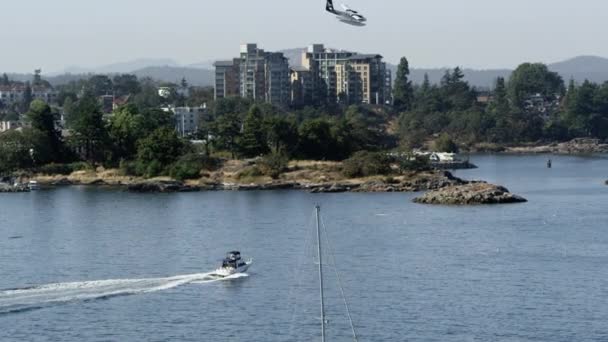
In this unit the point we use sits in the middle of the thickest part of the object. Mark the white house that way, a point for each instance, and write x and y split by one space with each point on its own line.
187 119
12 94
9 125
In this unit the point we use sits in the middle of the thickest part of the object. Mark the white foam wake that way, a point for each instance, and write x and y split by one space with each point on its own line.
16 300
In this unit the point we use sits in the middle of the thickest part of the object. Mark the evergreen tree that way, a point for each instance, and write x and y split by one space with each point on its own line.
158 151
5 81
227 130
530 79
282 133
403 90
37 77
253 142
89 133
42 119
501 100
27 98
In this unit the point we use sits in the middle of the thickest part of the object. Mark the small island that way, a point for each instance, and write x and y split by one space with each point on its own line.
469 194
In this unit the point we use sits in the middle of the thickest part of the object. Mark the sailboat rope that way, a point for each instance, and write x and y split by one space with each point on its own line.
333 257
298 276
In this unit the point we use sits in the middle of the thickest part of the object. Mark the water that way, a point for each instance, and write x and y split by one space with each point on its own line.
82 264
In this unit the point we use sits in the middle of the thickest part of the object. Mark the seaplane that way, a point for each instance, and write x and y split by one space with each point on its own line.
232 264
347 16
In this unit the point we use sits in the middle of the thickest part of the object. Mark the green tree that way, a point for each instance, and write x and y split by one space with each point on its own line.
317 140
282 133
148 96
23 149
445 144
456 92
403 92
42 119
5 81
364 130
199 96
125 129
158 151
427 97
126 84
253 141
28 97
227 130
89 132
37 81
99 85
533 78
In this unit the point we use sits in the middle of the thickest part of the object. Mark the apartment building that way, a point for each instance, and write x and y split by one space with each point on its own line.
16 93
344 76
255 74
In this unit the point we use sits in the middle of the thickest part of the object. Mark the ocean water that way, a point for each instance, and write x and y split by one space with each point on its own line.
86 264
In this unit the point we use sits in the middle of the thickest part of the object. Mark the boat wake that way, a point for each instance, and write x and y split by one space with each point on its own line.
38 297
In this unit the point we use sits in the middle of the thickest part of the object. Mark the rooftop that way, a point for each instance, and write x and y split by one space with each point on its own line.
364 56
223 63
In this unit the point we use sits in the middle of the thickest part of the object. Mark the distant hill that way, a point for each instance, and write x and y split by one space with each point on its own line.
579 68
123 67
194 76
592 68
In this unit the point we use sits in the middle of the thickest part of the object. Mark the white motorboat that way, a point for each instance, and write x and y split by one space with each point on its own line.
33 185
233 264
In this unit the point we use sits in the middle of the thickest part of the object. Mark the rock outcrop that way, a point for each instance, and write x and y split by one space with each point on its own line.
161 186
575 146
471 193
12 188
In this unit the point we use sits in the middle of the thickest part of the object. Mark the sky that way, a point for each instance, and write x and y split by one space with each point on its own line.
54 35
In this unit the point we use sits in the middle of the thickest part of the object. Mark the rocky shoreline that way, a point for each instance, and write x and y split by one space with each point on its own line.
10 188
470 194
413 182
575 146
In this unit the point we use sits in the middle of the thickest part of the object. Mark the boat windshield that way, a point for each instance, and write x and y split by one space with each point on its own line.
228 263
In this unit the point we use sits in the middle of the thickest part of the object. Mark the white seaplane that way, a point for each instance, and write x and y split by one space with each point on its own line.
347 16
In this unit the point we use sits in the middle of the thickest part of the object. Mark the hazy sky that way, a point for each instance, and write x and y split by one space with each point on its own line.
55 34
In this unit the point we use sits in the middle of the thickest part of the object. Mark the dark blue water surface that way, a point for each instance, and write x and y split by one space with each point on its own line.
536 271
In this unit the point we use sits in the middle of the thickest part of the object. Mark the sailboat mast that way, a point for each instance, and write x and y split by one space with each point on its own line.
318 209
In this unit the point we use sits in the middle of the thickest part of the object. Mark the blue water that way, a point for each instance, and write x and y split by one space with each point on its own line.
103 265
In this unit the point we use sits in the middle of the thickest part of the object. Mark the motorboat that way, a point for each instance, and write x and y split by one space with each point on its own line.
33 185
233 264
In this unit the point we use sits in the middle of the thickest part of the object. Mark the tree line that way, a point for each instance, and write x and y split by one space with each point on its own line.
533 105
143 141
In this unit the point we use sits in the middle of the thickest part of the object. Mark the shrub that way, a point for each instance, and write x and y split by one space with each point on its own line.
63 169
412 162
364 164
189 166
273 164
249 172
445 144
128 168
149 169
391 180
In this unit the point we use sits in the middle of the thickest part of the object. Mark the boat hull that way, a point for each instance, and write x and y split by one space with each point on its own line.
225 272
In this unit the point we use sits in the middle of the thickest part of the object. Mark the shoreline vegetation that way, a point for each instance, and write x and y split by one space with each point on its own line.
241 143
242 175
